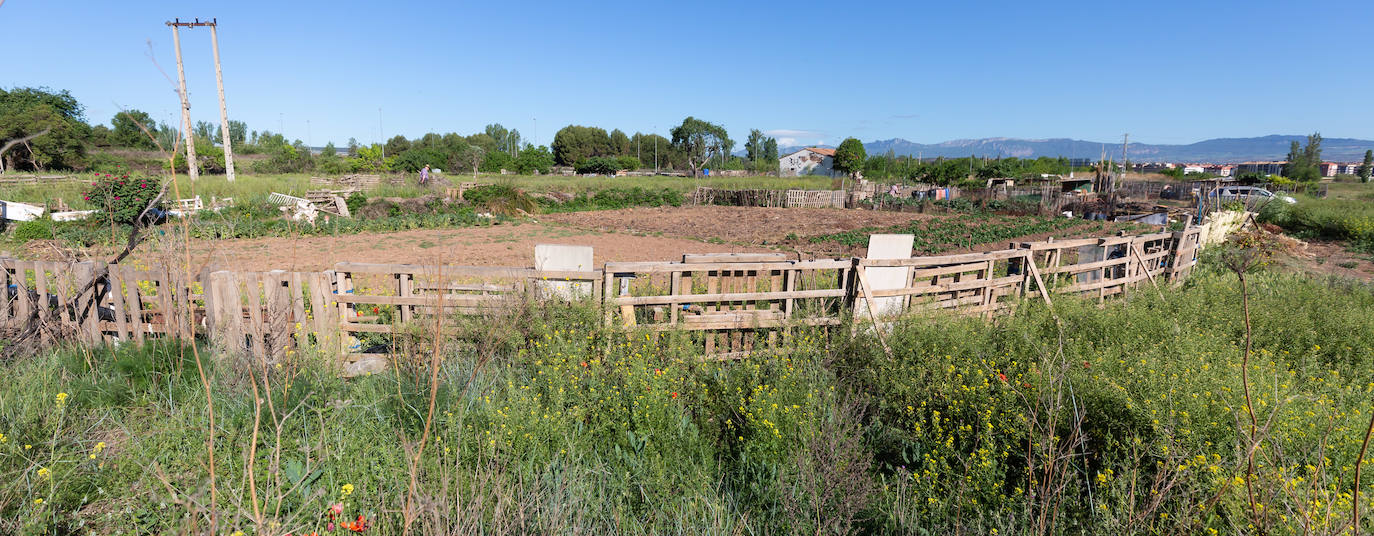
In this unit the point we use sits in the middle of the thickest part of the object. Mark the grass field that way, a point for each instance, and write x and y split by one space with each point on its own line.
1346 214
254 187
1121 419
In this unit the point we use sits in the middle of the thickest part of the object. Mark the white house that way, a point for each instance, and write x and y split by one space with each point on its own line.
808 161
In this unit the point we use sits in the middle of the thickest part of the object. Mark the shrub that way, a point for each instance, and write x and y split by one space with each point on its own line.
599 165
122 197
40 229
355 201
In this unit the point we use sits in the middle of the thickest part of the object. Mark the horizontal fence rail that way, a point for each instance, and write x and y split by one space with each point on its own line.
732 303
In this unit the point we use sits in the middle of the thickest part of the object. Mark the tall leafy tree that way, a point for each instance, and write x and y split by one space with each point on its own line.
1368 166
699 140
126 132
574 143
850 156
41 128
396 145
620 144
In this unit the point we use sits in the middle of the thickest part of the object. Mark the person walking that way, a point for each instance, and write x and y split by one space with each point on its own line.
424 175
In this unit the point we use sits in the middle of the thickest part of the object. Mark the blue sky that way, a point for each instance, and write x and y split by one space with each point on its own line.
1164 71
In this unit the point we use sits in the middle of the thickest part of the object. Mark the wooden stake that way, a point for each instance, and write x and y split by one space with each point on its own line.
1035 271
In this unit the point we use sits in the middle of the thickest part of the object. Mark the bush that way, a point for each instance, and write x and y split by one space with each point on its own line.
122 197
355 201
628 162
40 229
600 165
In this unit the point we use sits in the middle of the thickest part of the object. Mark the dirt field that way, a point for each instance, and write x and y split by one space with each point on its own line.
640 234
740 225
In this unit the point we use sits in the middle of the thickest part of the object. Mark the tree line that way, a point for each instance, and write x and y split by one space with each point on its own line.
695 145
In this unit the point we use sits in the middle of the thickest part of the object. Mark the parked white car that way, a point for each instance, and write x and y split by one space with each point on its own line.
1249 193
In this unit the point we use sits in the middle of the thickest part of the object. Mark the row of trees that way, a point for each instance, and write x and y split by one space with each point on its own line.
696 144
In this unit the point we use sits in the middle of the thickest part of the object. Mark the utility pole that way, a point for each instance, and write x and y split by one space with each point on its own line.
185 106
191 161
223 109
1125 140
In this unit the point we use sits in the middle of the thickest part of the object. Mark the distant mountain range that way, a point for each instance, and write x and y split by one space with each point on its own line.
1217 150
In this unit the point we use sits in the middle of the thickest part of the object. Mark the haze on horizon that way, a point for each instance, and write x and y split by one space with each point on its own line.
1166 72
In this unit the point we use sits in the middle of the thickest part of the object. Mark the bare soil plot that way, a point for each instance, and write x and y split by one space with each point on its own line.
500 245
742 225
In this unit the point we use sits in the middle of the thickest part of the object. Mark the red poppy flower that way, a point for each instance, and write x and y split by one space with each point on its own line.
674 394
584 364
357 526
375 311
1001 376
1087 364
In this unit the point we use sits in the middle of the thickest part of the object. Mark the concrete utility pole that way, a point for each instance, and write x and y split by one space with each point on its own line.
223 109
194 170
185 106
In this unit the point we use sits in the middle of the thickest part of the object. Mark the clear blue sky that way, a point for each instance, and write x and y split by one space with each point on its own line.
1165 71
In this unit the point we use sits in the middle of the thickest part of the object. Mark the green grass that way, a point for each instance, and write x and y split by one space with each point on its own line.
960 231
255 187
547 423
1345 216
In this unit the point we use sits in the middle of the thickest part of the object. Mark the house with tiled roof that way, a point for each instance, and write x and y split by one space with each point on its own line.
808 161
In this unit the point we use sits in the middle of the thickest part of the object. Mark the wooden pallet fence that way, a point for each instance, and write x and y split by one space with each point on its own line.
376 298
1102 267
973 283
268 313
737 300
126 303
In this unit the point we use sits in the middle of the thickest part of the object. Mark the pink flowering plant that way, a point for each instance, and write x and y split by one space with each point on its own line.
122 196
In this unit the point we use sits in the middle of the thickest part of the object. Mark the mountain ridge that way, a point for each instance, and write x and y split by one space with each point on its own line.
1214 150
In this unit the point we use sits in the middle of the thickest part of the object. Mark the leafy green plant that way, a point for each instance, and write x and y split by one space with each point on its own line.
122 197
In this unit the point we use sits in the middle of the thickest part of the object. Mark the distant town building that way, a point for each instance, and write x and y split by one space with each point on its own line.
1263 168
1220 170
1329 169
1350 168
1193 168
1081 162
808 161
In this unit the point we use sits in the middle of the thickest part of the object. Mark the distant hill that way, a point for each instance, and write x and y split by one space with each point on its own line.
1217 150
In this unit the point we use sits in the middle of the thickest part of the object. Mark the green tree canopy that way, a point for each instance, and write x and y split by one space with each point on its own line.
575 143
620 144
698 140
126 132
850 156
41 129
1368 166
396 145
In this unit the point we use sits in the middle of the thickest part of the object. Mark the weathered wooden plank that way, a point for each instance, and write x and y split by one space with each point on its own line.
726 297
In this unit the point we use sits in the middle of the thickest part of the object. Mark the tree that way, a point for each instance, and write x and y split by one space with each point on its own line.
329 150
575 143
237 132
505 140
849 157
127 133
620 144
698 140
352 146
533 160
204 129
41 129
396 145
1368 166
468 158
1304 165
